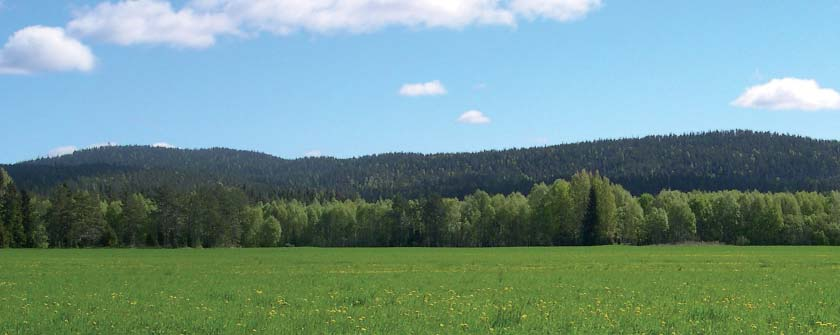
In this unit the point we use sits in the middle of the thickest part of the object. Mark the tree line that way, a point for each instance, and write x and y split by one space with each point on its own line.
588 209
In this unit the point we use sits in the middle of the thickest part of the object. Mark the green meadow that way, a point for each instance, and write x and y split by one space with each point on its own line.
573 290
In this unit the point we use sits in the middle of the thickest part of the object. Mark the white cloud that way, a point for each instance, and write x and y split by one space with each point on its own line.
789 93
104 144
38 49
313 153
61 151
162 145
473 117
324 16
150 22
419 89
360 16
198 23
560 10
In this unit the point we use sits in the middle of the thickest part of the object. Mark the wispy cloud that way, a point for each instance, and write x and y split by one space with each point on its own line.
313 153
559 10
104 144
356 16
789 94
420 89
61 151
162 145
473 117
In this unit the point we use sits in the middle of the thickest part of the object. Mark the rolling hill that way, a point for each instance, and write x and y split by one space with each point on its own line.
737 159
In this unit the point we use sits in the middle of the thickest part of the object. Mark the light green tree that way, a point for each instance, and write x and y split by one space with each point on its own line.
656 226
270 232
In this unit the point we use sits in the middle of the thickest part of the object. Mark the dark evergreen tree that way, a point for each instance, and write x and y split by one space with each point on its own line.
60 217
434 216
12 214
398 222
135 220
588 230
87 222
28 220
165 227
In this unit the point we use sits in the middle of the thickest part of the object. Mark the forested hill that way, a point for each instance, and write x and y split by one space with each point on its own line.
721 160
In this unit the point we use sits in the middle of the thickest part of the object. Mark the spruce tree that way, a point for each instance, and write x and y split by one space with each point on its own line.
135 218
13 218
4 234
27 220
5 180
60 217
434 215
589 232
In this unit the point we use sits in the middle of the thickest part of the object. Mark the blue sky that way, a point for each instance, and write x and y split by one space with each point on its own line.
328 81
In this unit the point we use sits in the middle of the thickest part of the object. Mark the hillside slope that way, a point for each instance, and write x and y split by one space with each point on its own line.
742 160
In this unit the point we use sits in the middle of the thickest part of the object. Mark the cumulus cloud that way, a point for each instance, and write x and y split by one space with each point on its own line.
313 153
39 49
198 23
150 22
61 151
560 10
419 89
162 145
789 94
473 117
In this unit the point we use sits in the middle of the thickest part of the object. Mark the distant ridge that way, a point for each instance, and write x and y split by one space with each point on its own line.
737 159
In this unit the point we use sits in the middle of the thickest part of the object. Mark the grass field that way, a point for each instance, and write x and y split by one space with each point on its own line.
653 290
